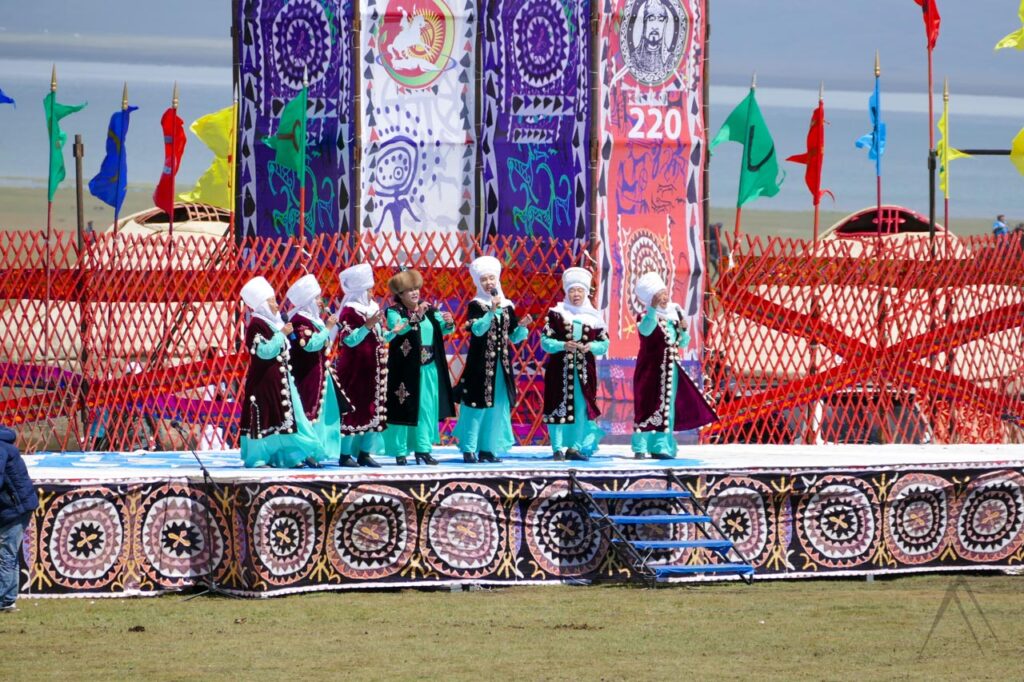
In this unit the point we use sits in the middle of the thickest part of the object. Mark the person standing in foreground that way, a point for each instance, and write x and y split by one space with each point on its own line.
274 427
574 334
322 399
664 398
362 369
18 499
419 388
487 388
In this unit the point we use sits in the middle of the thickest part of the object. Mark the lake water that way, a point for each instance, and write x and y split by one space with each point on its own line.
981 187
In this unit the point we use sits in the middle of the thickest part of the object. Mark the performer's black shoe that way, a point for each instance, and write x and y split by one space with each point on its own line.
347 461
639 455
661 455
366 461
425 458
313 464
575 455
559 456
469 458
401 461
488 458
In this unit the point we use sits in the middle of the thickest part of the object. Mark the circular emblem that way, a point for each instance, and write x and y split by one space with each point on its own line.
84 533
540 43
990 517
373 532
181 536
286 526
652 38
644 253
738 505
466 531
416 39
301 42
561 535
916 528
836 522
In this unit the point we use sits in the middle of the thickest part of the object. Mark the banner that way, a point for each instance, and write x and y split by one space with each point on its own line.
417 126
279 43
535 133
652 136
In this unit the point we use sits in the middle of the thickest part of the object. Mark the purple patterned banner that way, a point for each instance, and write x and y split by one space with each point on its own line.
535 133
279 41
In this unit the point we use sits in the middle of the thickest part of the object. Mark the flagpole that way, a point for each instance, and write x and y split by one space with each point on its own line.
302 156
739 188
49 211
174 162
945 161
878 152
121 132
817 198
231 159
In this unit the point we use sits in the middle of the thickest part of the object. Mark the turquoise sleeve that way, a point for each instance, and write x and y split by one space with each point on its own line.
482 324
356 336
316 341
268 350
393 320
684 338
649 322
550 345
519 334
599 347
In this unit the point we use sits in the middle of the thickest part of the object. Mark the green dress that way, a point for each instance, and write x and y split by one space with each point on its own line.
401 439
583 435
489 429
661 442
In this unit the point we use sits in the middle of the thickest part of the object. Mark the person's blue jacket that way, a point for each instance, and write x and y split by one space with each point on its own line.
17 493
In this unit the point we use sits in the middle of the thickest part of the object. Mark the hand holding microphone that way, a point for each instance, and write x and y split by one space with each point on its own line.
288 330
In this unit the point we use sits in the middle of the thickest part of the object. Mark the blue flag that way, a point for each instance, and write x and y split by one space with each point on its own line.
5 99
875 140
111 184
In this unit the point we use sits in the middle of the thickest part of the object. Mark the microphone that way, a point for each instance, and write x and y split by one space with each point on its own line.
493 291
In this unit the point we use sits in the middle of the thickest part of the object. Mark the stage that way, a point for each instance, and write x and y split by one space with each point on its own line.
128 524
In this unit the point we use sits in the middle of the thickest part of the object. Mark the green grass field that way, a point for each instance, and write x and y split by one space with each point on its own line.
796 630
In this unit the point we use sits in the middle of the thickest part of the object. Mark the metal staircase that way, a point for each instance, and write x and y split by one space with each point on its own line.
641 554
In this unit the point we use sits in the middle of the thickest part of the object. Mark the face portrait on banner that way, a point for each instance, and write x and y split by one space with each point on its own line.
652 39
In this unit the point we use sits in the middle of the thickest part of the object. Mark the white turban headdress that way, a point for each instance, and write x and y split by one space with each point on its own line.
356 284
304 296
487 265
256 292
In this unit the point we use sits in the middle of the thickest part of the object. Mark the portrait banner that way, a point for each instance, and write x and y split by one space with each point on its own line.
281 42
651 128
535 133
416 120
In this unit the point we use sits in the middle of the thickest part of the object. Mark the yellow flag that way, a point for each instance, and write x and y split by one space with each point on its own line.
945 152
216 131
1017 152
1015 39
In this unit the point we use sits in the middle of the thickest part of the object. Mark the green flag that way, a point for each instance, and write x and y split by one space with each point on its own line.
759 173
290 140
55 111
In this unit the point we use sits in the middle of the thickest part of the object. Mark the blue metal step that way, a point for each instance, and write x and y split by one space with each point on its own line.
678 544
655 518
641 495
737 569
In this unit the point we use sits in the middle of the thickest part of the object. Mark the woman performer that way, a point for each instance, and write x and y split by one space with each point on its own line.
487 388
362 369
419 388
322 398
573 336
275 430
664 398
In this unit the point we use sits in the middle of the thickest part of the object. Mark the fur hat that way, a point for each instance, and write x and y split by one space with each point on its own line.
404 281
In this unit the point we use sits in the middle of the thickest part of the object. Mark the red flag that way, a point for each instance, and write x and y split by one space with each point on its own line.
931 21
174 147
814 155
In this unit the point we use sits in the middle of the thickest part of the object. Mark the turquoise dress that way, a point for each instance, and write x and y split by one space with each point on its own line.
284 450
658 442
583 435
399 439
489 429
328 425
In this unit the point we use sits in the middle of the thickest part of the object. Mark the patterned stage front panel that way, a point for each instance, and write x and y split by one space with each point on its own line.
651 131
417 122
278 41
535 136
264 538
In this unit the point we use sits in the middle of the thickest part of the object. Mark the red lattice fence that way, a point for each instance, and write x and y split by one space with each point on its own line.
868 339
848 341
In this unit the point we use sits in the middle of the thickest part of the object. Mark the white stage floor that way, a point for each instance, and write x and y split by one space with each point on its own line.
226 466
